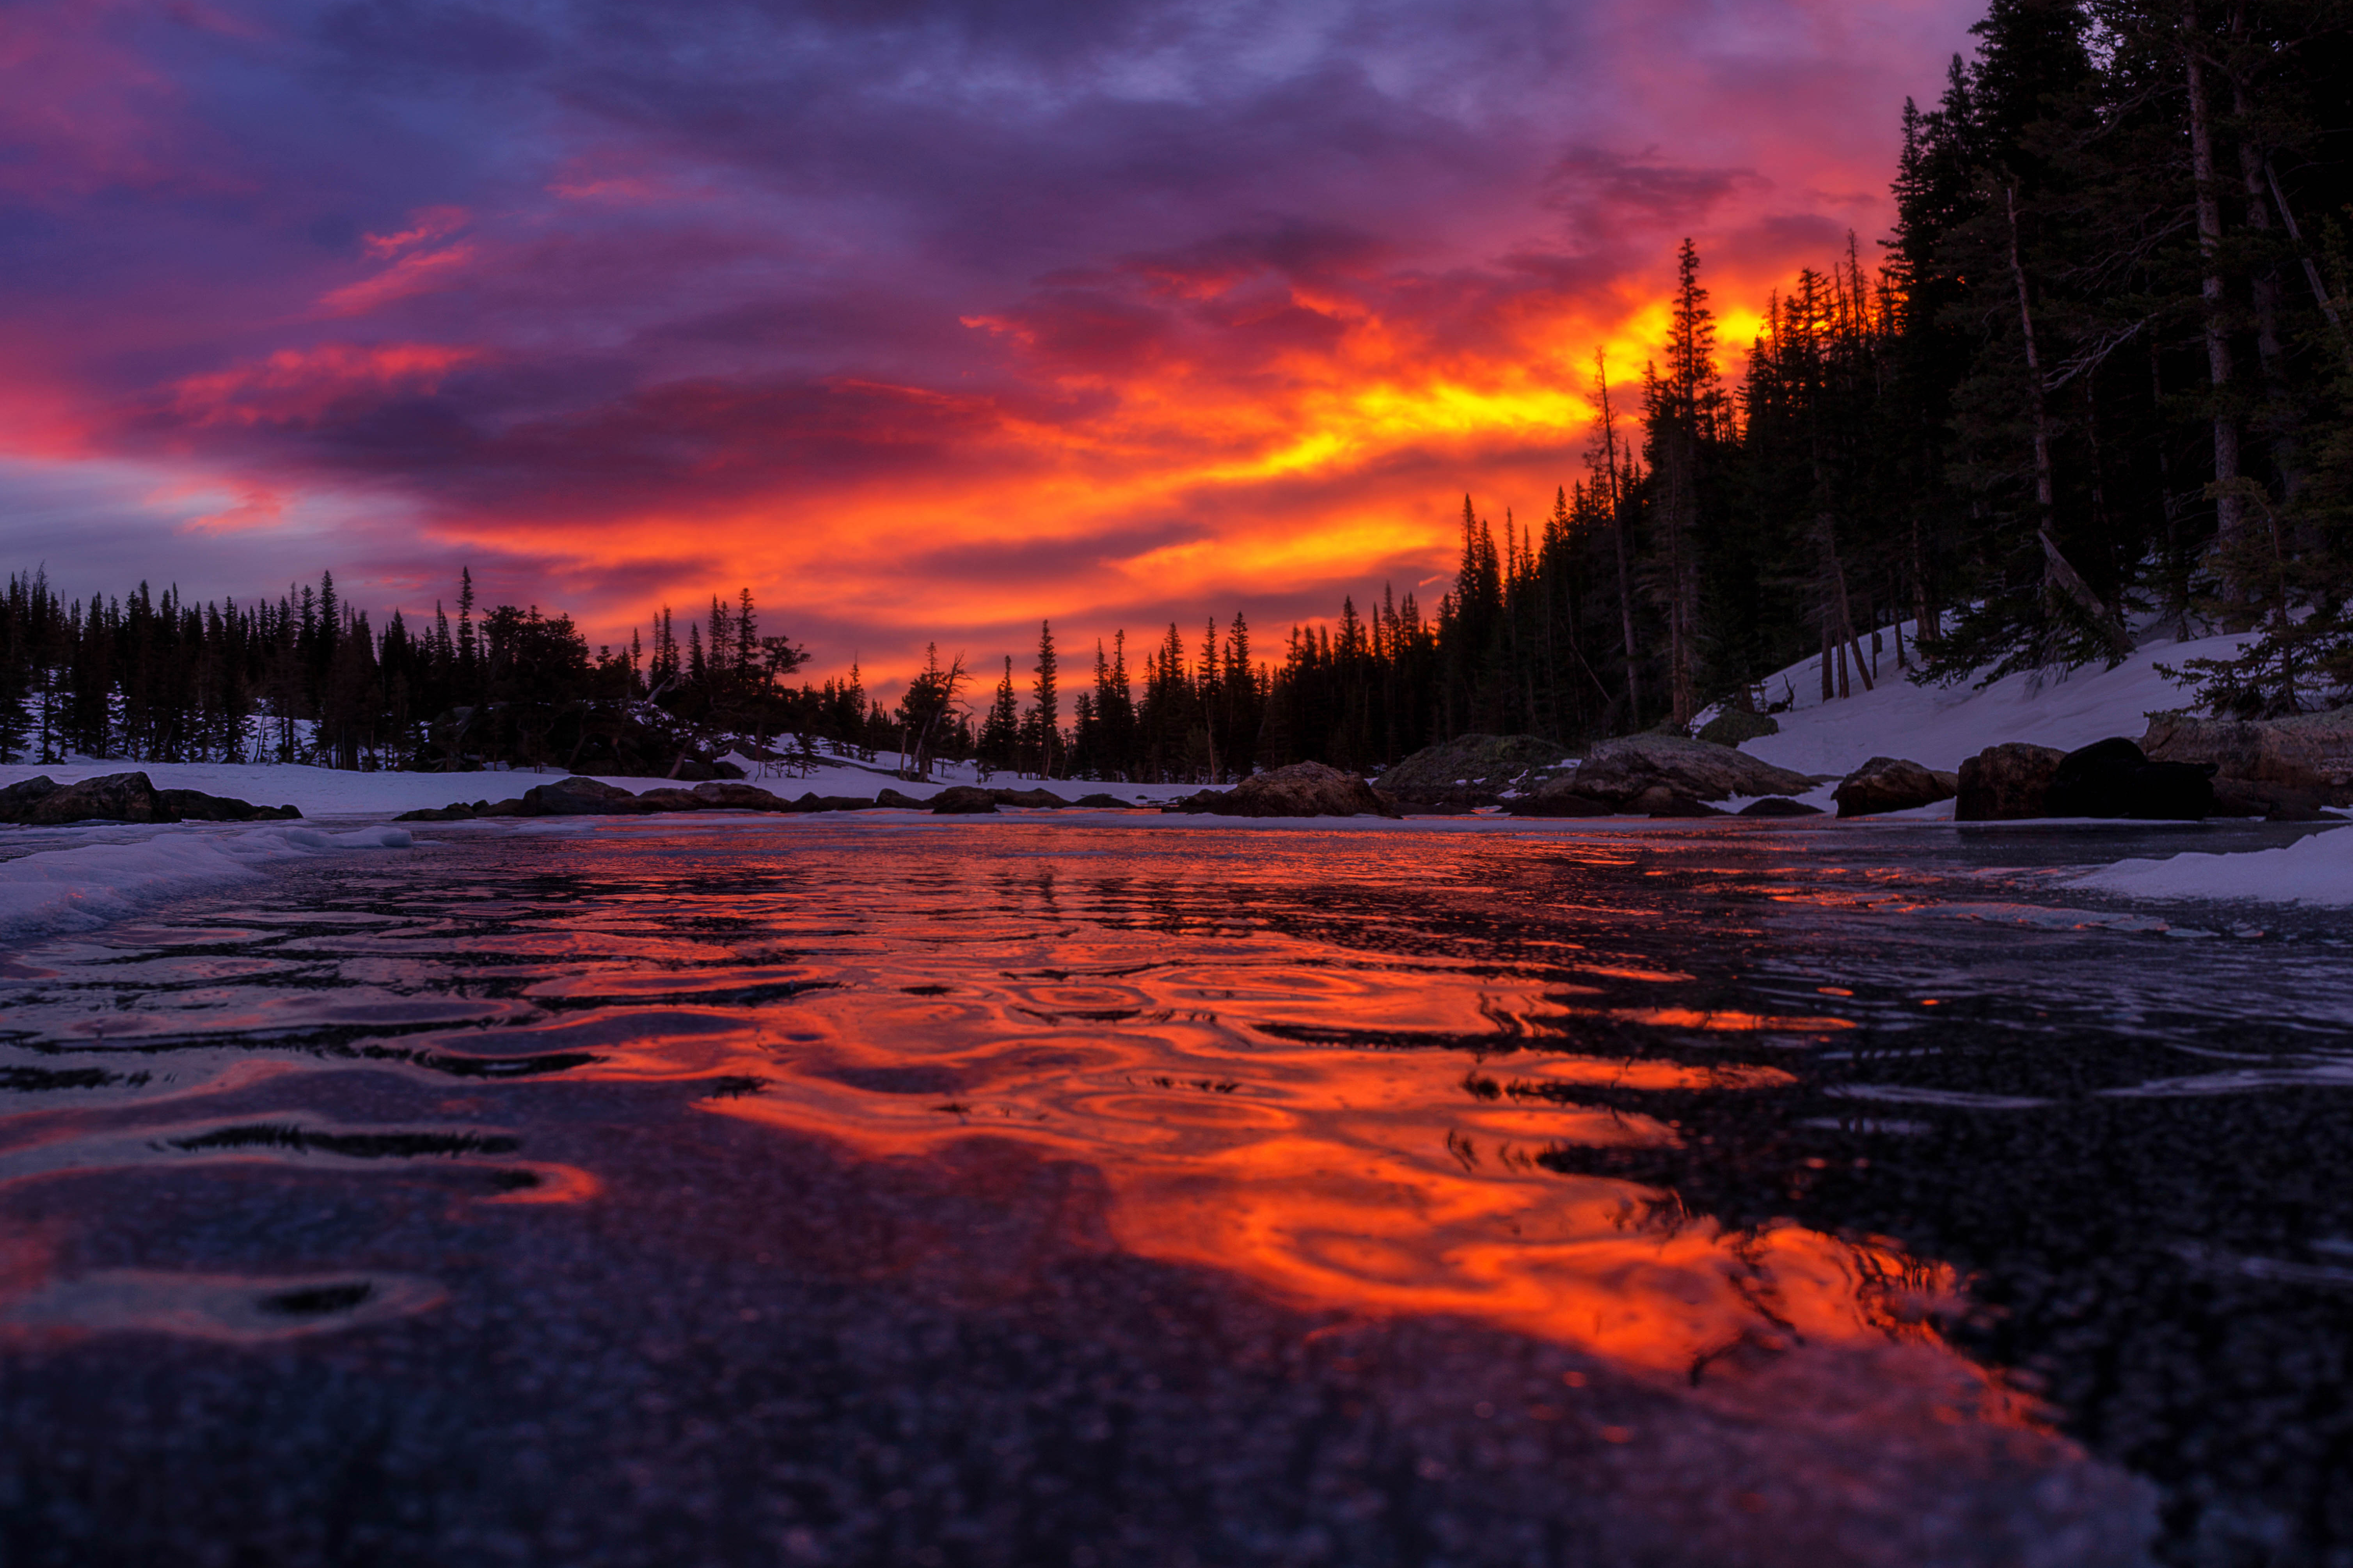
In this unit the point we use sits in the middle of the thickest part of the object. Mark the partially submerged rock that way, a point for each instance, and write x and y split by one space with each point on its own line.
2114 778
1616 773
1559 797
2006 782
1892 784
1671 806
965 800
1779 806
42 801
1302 789
580 797
2310 755
1472 771
1035 799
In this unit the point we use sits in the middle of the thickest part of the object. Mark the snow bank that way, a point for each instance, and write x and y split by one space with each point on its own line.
1941 727
2318 869
87 885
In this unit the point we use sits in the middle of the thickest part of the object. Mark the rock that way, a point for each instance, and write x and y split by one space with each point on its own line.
1558 797
1779 806
1302 789
726 794
2308 752
692 770
964 800
195 805
116 797
815 802
1472 771
582 797
2275 802
1735 725
2112 778
1892 784
672 798
1100 802
455 810
2006 782
724 769
514 807
898 801
1669 804
1619 770
1037 799
17 798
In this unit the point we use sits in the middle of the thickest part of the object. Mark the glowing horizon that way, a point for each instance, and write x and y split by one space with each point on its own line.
924 327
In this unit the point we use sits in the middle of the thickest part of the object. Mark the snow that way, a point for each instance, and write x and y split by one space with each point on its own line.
2317 869
88 884
1940 727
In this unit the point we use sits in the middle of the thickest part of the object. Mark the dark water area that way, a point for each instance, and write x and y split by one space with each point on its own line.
1014 1192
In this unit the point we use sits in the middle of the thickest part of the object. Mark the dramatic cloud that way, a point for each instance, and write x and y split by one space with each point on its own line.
924 320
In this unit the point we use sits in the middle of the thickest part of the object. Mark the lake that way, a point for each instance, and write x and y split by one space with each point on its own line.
1103 1191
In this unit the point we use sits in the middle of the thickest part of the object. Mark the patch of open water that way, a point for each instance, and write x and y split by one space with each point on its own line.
1011 1193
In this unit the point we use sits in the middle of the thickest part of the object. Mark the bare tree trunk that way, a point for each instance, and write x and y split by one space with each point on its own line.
1617 538
2311 268
2279 412
2059 574
2229 514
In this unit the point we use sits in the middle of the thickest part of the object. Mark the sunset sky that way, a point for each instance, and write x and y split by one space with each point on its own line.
924 320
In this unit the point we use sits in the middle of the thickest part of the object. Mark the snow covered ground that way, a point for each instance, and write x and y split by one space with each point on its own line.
2313 870
102 875
1939 726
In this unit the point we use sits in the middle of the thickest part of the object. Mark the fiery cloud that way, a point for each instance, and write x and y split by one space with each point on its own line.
926 321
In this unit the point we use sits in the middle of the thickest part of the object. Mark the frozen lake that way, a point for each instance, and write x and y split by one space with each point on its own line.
898 1191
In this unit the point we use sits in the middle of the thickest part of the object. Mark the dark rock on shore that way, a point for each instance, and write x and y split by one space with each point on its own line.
581 797
1558 797
815 802
1735 725
964 800
2112 778
1892 784
1101 802
42 801
2006 782
2308 756
1677 806
1779 806
899 800
1472 771
1620 772
1036 799
1302 789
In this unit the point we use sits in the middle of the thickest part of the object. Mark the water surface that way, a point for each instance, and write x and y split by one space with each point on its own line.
1032 1191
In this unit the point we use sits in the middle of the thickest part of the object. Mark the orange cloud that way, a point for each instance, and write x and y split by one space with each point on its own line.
296 386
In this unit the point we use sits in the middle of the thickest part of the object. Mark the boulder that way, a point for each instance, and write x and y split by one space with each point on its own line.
964 800
455 810
1779 806
724 769
18 798
2275 802
1302 789
578 796
116 797
812 800
892 798
1472 771
1667 805
1735 725
1557 796
693 769
2112 778
2006 782
1037 799
2311 753
195 805
726 794
1100 802
1617 771
1892 784
670 798
517 806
